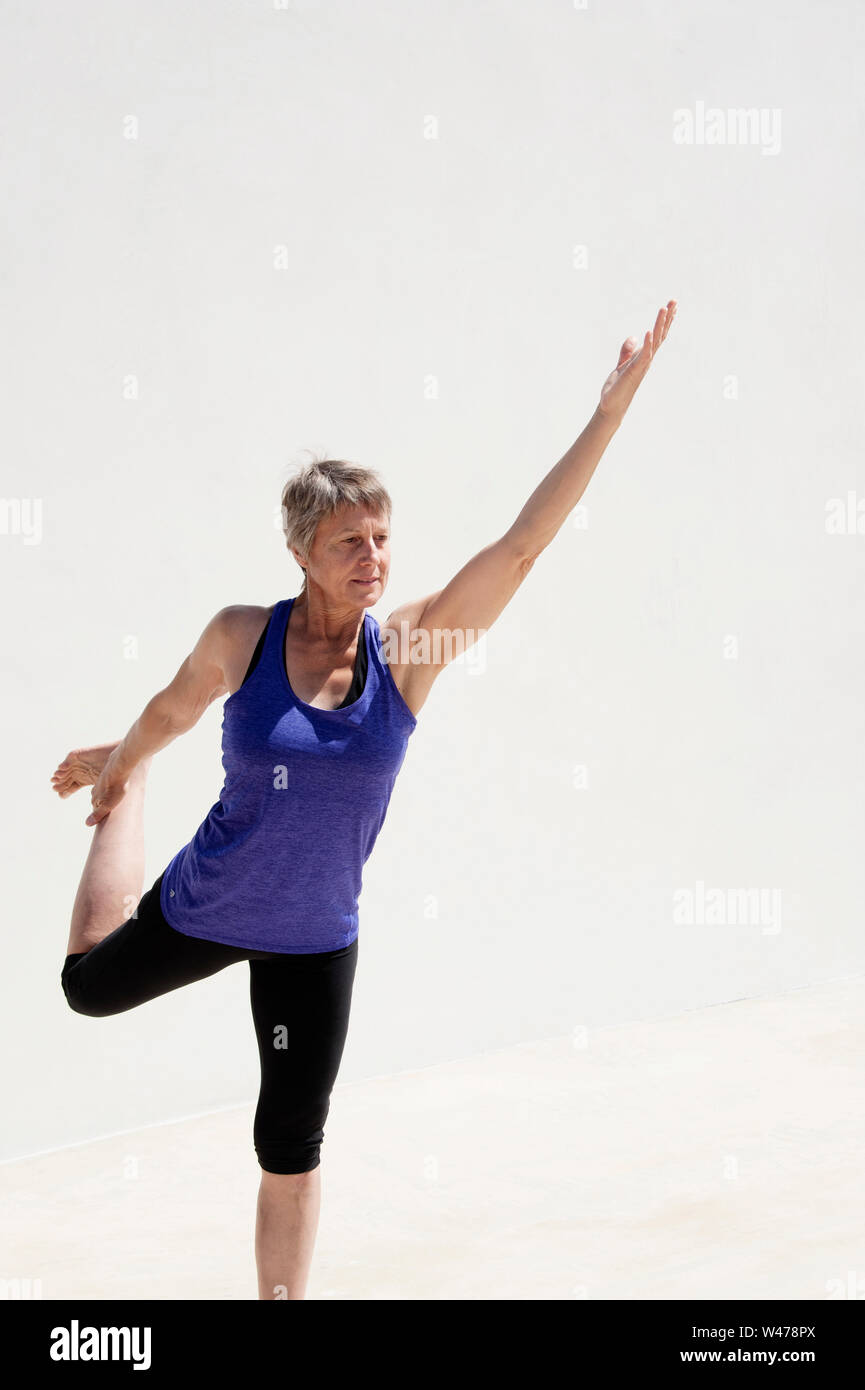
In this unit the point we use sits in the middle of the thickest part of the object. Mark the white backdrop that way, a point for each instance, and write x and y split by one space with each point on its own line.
417 235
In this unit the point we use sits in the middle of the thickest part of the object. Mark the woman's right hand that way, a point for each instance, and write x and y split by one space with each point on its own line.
108 791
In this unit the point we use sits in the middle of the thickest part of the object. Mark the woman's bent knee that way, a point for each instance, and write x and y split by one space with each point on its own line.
76 995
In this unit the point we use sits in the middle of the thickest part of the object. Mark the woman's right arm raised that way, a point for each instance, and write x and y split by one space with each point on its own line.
171 712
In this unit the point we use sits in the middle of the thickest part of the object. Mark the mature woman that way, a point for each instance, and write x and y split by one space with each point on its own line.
321 704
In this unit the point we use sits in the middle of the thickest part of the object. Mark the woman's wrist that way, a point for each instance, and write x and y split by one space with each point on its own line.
607 420
120 764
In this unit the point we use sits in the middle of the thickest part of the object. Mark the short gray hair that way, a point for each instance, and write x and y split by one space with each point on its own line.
318 489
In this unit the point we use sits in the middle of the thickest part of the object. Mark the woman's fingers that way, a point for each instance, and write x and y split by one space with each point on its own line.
618 390
104 801
658 331
661 329
669 313
652 340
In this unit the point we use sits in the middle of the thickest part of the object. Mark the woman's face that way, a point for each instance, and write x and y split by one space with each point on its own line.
350 556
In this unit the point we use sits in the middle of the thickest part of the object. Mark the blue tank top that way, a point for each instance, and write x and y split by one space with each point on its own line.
276 865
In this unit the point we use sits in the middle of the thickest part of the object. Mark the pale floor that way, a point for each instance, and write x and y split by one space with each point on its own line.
717 1154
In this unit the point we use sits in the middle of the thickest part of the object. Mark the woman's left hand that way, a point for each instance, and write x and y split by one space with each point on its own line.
618 390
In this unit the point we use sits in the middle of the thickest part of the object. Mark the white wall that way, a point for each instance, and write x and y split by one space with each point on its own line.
697 647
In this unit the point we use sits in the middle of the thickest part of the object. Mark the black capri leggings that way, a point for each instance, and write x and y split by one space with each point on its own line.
300 1007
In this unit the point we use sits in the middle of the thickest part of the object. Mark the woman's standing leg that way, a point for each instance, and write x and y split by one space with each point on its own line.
286 1224
300 1006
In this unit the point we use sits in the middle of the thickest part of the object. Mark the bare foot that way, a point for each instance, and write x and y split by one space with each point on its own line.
81 768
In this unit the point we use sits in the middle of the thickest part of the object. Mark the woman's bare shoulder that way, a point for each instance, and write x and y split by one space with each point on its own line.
242 614
243 626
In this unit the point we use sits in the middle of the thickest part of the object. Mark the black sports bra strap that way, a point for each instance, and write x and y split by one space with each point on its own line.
256 655
358 680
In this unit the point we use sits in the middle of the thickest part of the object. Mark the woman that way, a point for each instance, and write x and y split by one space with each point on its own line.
321 704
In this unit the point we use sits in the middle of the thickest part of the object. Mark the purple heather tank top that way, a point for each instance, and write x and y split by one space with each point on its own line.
276 865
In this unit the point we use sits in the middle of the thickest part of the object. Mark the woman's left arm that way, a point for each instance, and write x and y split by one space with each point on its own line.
479 592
